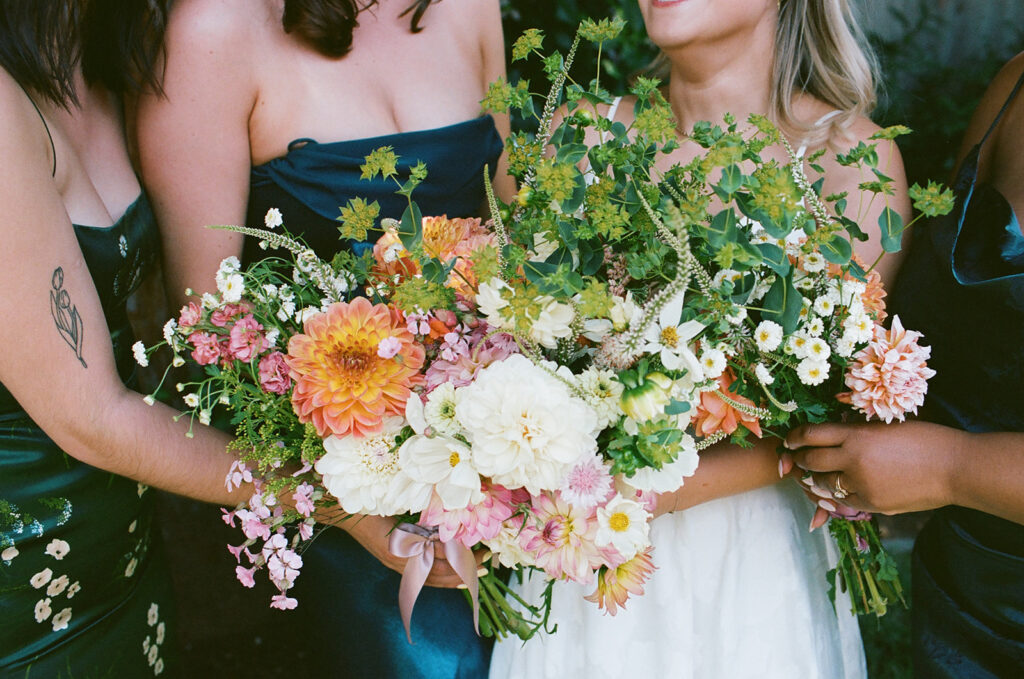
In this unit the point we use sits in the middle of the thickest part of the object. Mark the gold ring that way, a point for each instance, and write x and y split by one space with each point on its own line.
838 492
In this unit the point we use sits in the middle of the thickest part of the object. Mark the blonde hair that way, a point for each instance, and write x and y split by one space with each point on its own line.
820 50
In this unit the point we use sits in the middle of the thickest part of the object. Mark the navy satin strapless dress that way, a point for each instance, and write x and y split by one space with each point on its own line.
962 285
348 601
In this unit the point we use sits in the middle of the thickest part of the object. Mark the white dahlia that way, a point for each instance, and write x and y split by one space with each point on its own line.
525 428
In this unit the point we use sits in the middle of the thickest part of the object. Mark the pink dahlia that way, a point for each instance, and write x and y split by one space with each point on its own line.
615 584
478 522
561 539
889 377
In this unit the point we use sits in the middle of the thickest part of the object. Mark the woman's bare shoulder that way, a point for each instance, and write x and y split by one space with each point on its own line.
202 24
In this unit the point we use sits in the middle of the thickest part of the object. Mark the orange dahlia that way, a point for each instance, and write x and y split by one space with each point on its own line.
343 384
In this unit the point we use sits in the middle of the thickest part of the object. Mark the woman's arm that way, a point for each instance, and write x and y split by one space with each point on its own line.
194 143
492 48
913 466
55 351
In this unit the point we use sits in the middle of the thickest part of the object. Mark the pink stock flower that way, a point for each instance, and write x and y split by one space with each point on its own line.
246 576
246 339
227 517
236 552
284 566
238 474
464 368
588 483
303 502
274 376
475 523
283 602
190 315
306 529
252 525
207 349
561 538
227 313
389 347
889 377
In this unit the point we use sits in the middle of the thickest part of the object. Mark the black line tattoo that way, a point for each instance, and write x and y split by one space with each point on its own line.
65 315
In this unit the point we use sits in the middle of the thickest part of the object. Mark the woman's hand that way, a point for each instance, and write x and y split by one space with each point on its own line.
883 468
373 533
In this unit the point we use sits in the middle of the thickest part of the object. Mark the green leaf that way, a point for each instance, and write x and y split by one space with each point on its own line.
591 257
571 153
838 250
731 182
891 225
775 257
722 229
410 229
783 304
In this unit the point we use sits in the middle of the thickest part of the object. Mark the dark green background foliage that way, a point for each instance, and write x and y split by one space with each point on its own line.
926 85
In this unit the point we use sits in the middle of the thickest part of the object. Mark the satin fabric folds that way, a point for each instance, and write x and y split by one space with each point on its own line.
962 285
348 601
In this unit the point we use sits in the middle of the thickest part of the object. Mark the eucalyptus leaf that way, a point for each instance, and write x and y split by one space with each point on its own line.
838 250
775 257
783 304
410 229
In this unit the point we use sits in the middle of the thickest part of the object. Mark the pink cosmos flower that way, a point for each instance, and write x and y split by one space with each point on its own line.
190 315
227 313
246 339
889 377
246 576
283 602
475 523
207 350
588 483
274 376
561 538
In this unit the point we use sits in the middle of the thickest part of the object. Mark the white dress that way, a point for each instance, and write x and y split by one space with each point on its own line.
739 592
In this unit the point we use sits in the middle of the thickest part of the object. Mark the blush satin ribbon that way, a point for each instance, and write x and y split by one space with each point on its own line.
416 543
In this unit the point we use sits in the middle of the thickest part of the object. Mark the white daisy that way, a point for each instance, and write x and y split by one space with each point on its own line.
813 262
812 372
824 305
818 349
768 335
814 327
713 362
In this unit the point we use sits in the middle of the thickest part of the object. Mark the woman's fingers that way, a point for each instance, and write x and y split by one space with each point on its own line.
821 459
817 435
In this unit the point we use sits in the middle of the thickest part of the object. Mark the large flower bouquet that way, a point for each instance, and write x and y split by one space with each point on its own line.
522 387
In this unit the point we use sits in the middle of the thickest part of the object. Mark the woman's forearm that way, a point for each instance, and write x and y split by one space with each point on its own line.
725 469
988 474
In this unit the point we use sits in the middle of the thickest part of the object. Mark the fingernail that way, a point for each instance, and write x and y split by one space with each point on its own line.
807 480
826 505
810 528
461 585
782 472
787 462
786 444
821 492
481 572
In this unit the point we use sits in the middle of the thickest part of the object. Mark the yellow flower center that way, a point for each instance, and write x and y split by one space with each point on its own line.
670 337
618 522
454 459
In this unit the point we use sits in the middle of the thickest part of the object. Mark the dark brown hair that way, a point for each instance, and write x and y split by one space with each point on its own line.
327 25
116 42
39 46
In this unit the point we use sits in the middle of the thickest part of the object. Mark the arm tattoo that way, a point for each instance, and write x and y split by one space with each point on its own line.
65 315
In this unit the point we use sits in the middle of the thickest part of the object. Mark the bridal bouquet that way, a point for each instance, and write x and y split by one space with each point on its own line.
523 387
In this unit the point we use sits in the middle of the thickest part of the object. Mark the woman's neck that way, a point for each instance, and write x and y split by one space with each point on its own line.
732 75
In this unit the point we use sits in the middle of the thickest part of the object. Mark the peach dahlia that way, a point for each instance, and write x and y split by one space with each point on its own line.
342 383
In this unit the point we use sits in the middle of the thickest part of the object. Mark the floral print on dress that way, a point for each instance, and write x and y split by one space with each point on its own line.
151 646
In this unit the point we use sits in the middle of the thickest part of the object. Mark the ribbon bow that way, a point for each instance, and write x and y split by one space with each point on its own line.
416 543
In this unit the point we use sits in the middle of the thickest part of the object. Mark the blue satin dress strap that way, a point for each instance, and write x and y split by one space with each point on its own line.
83 589
311 183
348 600
962 285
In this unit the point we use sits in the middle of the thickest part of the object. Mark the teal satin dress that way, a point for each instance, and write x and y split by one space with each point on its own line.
348 600
83 592
962 285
